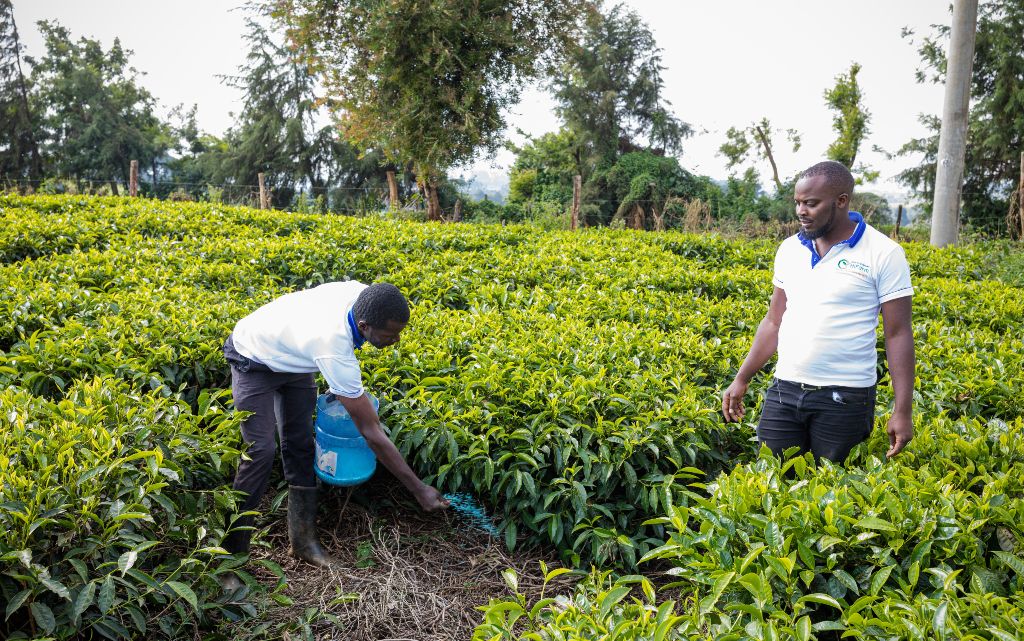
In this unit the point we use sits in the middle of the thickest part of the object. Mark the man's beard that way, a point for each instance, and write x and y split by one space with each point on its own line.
826 228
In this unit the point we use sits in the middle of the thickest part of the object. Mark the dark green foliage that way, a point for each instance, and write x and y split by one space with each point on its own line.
427 84
95 116
19 149
610 93
850 122
995 134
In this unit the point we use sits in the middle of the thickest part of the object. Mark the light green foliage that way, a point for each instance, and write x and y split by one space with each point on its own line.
571 381
109 510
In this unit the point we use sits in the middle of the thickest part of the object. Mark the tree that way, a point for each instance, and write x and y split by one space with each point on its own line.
953 133
610 92
644 184
995 129
19 150
276 132
850 122
96 119
428 83
756 140
544 169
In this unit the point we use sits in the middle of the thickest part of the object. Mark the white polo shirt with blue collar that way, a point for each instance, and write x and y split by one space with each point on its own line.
308 331
828 331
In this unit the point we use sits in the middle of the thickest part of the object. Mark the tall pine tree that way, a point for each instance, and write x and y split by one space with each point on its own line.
19 150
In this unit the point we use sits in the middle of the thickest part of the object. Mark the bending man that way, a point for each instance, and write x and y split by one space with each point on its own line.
274 353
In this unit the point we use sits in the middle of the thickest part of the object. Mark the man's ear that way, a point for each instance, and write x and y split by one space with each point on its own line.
843 199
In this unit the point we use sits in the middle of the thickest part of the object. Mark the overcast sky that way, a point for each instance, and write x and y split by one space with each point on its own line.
727 63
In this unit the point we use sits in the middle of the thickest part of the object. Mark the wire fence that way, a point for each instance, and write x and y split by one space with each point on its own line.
651 214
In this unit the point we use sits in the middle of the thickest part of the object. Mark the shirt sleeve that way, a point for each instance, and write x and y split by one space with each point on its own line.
342 375
778 276
894 276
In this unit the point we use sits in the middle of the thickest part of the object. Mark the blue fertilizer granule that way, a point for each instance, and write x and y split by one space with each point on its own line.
467 507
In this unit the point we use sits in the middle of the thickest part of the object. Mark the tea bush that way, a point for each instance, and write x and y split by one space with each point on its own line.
570 380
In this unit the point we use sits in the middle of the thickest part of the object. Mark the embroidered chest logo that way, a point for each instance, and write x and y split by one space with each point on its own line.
854 266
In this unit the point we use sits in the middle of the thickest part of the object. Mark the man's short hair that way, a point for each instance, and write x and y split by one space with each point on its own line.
379 304
837 176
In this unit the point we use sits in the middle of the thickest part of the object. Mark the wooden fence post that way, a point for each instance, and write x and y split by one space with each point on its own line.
133 179
392 191
577 187
264 199
899 220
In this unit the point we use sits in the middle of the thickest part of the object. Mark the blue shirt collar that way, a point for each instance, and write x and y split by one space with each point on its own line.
851 241
357 338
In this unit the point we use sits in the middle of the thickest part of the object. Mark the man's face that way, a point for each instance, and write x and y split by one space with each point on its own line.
816 206
381 337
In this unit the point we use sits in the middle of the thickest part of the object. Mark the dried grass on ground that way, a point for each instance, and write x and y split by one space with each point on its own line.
402 575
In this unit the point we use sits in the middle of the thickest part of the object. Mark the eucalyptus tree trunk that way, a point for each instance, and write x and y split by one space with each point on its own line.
953 135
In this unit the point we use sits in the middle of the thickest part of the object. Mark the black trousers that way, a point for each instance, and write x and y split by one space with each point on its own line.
826 421
282 406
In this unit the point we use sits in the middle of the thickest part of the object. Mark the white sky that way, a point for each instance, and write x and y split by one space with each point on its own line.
727 63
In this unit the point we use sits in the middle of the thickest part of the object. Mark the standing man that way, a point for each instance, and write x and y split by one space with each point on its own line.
831 280
274 354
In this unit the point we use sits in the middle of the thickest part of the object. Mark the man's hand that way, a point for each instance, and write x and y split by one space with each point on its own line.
900 430
430 499
732 401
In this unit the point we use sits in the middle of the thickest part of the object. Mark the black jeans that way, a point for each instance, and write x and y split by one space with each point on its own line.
827 421
282 406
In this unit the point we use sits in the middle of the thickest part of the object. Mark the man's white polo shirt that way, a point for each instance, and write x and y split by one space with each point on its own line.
827 335
305 332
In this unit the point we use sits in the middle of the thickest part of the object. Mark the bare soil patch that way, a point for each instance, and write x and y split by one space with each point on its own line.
401 574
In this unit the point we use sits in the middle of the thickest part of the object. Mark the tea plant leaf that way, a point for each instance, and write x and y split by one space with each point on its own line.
875 523
56 587
127 560
16 602
185 592
1011 561
43 616
879 578
610 599
82 601
939 620
818 597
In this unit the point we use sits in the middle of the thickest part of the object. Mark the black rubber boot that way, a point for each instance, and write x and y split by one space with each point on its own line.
302 504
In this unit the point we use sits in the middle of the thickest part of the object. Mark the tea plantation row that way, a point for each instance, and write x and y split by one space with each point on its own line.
569 380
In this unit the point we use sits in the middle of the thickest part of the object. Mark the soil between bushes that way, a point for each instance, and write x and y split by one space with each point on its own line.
401 574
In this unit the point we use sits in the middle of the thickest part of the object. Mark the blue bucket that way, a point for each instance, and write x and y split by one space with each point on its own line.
342 455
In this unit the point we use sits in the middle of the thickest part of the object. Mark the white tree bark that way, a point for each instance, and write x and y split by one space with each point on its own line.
953 135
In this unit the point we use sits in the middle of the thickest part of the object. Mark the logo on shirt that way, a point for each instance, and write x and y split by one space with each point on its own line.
853 266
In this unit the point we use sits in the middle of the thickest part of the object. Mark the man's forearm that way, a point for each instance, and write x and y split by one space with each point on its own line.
899 350
391 458
766 342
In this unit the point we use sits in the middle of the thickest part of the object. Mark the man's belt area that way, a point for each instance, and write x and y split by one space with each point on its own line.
243 364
